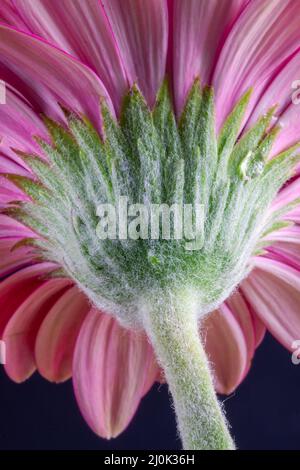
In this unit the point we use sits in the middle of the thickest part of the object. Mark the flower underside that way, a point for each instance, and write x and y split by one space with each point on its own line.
150 157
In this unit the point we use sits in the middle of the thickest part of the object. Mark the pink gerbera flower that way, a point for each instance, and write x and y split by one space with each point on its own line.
88 117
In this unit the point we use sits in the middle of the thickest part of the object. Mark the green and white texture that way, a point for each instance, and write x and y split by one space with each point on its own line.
157 285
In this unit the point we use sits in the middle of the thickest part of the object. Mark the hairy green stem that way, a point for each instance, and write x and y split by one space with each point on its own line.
172 327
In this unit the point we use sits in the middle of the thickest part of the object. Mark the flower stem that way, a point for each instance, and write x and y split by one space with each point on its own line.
172 326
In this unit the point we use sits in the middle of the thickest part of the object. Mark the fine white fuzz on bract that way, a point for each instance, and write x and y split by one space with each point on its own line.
150 157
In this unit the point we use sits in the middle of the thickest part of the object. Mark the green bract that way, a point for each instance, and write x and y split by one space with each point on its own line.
151 158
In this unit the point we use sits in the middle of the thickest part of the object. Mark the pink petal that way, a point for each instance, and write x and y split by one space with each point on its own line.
57 336
82 30
18 123
52 75
10 193
20 332
290 130
288 234
259 328
240 309
287 252
279 91
112 370
7 165
141 32
265 35
273 290
16 288
9 186
11 261
10 16
226 346
287 195
199 29
12 228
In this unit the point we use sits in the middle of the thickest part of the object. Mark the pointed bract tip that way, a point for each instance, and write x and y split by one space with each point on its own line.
68 113
25 242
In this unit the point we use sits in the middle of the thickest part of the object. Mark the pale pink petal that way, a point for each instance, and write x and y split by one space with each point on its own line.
57 336
199 29
273 290
294 215
287 195
81 29
290 130
259 327
141 32
52 75
226 346
265 35
240 310
17 287
287 234
287 252
279 91
110 371
21 330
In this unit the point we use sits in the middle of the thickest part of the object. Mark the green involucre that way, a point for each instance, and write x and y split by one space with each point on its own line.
150 157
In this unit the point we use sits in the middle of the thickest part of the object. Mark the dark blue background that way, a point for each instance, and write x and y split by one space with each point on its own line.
264 412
